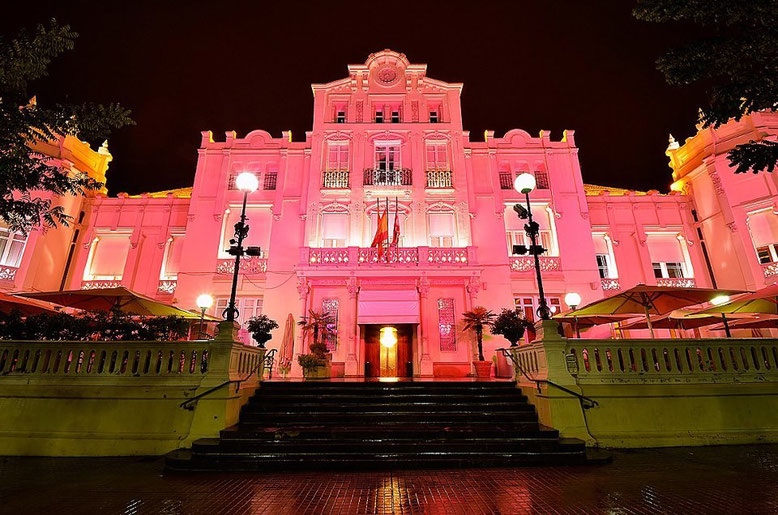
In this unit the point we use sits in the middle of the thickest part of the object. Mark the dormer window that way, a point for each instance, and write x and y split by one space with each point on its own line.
434 117
340 116
395 116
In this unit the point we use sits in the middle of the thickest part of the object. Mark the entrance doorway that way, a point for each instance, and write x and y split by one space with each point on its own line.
388 350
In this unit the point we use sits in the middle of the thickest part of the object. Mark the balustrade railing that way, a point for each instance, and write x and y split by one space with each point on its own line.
8 273
247 266
358 256
440 179
770 269
390 177
676 282
610 284
335 179
167 286
527 263
100 284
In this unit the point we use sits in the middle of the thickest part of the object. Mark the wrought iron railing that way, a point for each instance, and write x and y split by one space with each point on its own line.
440 179
389 177
335 179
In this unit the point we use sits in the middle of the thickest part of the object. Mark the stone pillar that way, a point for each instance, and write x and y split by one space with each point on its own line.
352 362
424 344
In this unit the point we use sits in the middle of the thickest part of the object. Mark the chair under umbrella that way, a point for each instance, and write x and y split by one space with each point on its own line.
26 307
108 299
650 300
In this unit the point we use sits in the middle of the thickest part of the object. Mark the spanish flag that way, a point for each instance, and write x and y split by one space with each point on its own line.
382 230
396 231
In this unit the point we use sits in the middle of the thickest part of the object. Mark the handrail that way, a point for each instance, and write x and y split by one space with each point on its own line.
187 403
583 398
269 360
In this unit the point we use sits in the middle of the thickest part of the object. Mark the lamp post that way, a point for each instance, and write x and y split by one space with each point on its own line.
204 302
524 184
247 183
573 300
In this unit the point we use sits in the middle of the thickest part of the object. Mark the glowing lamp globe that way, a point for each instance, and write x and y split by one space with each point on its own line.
719 300
247 182
204 301
573 300
524 183
388 337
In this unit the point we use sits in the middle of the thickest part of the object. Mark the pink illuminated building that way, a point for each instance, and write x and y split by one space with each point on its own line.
388 131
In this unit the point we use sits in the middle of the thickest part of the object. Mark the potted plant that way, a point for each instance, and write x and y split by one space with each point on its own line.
317 364
510 324
260 327
475 320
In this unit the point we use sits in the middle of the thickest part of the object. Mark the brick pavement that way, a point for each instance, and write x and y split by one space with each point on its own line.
726 480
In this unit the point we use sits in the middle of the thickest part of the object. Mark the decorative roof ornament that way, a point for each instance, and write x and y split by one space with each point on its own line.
672 144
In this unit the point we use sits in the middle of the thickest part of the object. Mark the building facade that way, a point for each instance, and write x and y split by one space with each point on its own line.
387 134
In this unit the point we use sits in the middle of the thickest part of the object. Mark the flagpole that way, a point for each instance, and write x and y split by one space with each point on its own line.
387 229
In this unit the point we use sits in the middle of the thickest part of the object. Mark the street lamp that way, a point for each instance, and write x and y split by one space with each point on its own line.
524 184
204 302
573 300
247 183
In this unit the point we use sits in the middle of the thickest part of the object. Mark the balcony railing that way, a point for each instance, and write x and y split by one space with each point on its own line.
335 180
100 284
415 256
677 282
438 179
247 266
167 286
381 177
770 269
527 263
610 284
8 273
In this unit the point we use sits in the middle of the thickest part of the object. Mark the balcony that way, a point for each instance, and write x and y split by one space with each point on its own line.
367 256
676 282
100 284
335 180
8 273
249 266
770 269
167 286
440 179
610 284
381 177
527 263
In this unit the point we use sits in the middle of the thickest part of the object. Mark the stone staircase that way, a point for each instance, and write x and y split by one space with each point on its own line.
377 424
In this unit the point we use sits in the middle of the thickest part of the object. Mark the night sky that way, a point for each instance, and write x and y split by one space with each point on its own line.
183 67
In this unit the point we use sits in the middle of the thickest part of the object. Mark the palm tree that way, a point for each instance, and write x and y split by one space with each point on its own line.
475 320
317 323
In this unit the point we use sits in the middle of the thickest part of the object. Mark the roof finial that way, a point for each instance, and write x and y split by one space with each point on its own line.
672 144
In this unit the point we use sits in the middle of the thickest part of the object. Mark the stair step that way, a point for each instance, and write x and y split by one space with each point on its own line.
385 407
397 431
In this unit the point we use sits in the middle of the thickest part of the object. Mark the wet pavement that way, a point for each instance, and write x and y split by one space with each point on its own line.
726 480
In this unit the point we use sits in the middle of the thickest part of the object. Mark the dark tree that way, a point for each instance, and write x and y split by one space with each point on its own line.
23 172
736 62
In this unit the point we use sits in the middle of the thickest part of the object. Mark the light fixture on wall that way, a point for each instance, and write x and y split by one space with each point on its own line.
388 337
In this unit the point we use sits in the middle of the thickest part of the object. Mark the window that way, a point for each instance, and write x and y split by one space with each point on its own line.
231 181
172 258
668 258
506 180
11 247
447 325
337 156
395 116
442 229
603 254
517 235
340 116
541 179
330 307
387 156
434 118
529 305
379 115
437 155
763 226
247 307
107 258
334 229
271 177
258 219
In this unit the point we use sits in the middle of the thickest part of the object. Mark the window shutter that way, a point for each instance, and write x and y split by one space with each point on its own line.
763 227
110 256
441 224
664 248
334 226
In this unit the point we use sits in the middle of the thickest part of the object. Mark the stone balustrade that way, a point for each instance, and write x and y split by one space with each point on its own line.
368 256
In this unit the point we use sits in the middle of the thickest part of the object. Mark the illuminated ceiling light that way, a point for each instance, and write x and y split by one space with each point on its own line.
247 182
388 337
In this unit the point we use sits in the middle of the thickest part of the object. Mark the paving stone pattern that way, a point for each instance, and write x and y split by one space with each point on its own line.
725 480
